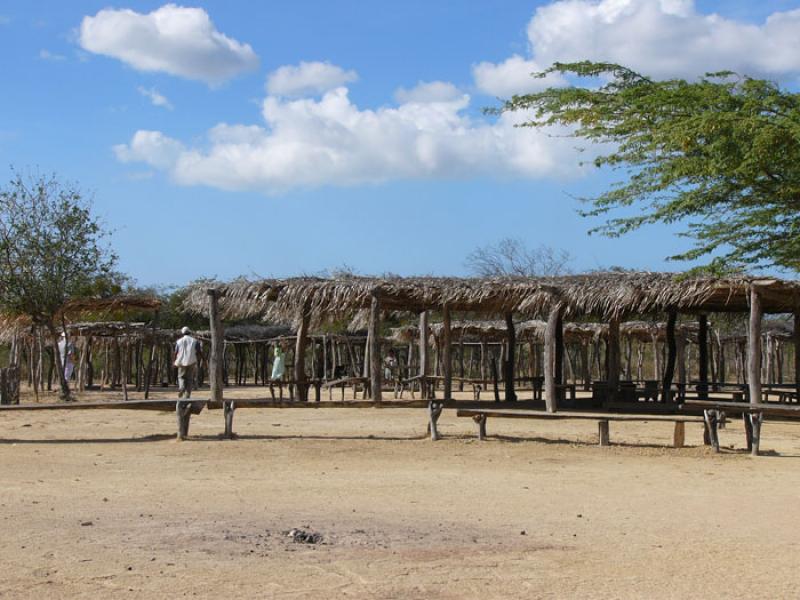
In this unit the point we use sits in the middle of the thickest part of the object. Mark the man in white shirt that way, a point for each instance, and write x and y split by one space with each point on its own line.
188 351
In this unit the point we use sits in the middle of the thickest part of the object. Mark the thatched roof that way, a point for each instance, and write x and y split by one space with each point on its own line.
603 295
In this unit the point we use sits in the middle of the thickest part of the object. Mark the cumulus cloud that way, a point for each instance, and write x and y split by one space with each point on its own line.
662 38
307 78
156 99
431 91
313 142
512 76
171 39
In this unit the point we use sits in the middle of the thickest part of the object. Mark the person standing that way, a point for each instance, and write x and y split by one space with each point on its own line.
67 351
188 352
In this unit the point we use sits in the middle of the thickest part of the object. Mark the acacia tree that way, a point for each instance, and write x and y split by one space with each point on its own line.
511 257
51 251
720 154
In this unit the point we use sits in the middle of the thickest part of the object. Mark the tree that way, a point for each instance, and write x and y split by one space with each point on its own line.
51 252
721 154
511 257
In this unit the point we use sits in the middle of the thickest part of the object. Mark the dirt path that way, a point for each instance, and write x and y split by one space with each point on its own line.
101 502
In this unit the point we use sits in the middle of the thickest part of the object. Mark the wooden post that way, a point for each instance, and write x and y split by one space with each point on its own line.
447 362
559 350
680 356
669 370
754 362
603 431
679 435
797 354
300 355
613 354
493 368
550 354
217 345
511 395
423 354
754 346
376 374
702 356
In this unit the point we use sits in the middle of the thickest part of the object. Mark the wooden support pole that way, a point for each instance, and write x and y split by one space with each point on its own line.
680 356
447 359
300 356
702 356
754 346
480 421
550 352
376 372
423 354
613 356
217 346
558 368
797 354
669 370
511 395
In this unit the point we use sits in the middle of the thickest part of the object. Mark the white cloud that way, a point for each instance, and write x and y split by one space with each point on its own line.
430 92
160 151
662 38
512 76
156 99
307 78
47 55
307 143
172 39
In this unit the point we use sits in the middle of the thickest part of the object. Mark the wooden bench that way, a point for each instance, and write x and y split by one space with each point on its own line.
752 414
183 408
480 417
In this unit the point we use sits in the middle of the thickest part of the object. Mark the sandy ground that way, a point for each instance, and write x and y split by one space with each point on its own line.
96 503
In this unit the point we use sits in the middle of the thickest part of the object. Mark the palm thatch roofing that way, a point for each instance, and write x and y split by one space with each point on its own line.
602 295
20 326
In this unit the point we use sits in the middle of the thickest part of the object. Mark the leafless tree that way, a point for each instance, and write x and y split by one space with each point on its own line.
511 257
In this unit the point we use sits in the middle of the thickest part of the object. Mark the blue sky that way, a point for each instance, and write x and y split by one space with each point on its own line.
278 138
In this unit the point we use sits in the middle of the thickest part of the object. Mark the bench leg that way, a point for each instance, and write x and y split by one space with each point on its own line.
228 409
710 417
603 430
679 435
756 419
183 411
748 431
480 421
434 411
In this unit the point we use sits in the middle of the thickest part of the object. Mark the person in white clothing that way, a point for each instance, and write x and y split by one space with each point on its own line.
67 351
188 352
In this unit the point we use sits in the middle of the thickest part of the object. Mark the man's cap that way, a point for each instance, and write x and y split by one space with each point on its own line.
186 331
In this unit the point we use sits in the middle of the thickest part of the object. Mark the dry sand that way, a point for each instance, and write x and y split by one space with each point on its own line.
96 503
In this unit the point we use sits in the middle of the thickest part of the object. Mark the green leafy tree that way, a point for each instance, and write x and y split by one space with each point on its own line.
720 154
52 251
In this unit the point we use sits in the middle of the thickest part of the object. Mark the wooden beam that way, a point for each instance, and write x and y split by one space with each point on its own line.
376 372
511 395
702 355
217 346
550 358
669 370
447 359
